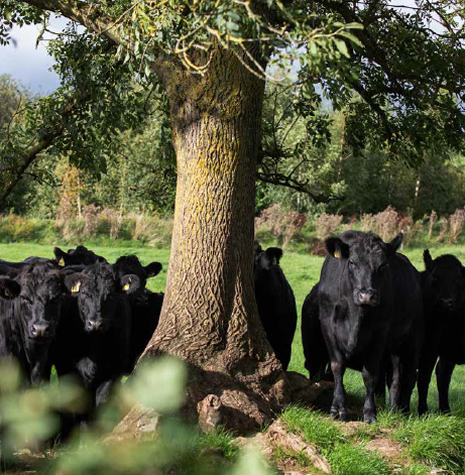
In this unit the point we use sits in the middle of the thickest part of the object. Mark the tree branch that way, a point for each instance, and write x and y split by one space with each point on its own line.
37 146
279 179
83 13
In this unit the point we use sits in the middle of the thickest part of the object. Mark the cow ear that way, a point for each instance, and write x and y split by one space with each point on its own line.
397 241
153 269
9 288
130 283
428 260
274 254
73 283
337 248
60 256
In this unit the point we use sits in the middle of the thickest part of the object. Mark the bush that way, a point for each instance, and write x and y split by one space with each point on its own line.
456 223
327 224
284 226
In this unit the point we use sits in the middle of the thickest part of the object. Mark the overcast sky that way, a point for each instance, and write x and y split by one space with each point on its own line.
31 66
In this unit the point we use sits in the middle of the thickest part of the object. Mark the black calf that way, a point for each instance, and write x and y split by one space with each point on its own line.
275 301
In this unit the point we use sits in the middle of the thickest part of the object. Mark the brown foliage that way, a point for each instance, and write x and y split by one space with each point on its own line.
327 224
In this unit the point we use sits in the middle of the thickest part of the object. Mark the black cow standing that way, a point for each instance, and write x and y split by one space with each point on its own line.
275 301
28 324
444 291
370 303
145 305
93 338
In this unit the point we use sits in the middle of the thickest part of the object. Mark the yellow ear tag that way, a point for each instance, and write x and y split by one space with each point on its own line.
126 287
61 262
337 254
75 288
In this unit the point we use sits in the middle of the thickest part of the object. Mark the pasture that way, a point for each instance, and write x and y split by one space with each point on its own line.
434 441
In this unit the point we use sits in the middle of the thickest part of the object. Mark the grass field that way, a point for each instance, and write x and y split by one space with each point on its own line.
429 442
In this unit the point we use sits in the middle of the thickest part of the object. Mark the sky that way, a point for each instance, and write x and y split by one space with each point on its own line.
31 65
28 64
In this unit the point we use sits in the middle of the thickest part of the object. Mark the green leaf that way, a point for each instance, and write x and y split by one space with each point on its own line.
342 47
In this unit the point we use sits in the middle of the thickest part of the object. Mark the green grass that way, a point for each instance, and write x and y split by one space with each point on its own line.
434 441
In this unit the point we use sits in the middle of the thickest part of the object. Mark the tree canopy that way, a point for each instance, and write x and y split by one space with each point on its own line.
406 65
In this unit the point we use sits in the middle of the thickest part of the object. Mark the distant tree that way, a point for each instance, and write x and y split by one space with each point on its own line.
212 60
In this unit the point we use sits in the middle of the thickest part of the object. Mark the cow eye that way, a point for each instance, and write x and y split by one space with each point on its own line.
352 263
382 267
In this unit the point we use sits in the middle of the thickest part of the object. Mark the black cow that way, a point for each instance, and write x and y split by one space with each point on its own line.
79 256
93 337
444 291
145 305
370 304
28 324
275 301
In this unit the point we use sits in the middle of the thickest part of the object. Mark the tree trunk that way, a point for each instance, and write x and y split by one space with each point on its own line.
209 317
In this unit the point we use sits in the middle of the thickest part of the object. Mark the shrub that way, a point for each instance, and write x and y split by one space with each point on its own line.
18 228
456 223
385 223
111 221
443 227
91 219
284 226
293 224
327 224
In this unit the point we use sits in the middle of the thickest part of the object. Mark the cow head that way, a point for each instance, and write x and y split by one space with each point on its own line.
447 277
368 259
96 290
130 265
79 256
40 299
264 260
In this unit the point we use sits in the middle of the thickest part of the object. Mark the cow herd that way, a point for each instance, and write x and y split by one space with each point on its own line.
371 311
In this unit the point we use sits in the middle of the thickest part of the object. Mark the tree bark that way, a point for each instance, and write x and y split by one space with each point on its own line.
209 317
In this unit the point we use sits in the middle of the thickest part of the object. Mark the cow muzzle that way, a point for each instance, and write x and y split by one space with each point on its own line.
366 298
39 331
94 326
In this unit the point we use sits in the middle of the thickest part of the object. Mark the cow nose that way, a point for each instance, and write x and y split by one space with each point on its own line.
368 297
364 298
39 331
93 325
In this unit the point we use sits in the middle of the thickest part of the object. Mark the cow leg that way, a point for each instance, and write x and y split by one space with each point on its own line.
444 370
408 379
338 408
370 374
394 389
427 363
103 392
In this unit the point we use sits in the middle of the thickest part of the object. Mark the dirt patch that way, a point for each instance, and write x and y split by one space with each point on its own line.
387 448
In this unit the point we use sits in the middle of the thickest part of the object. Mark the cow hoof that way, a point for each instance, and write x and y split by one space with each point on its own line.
422 411
369 418
334 413
343 416
444 410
